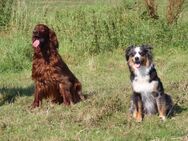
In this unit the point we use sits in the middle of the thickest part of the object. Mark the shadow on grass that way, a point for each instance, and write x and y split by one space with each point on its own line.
178 109
88 95
8 95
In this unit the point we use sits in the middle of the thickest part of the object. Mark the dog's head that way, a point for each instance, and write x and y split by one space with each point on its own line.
138 56
43 36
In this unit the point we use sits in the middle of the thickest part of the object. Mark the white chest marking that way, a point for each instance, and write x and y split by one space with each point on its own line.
141 82
142 85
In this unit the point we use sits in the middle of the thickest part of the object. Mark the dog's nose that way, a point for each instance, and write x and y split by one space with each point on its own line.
136 59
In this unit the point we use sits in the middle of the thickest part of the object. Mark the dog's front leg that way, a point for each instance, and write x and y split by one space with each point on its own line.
137 107
65 93
37 96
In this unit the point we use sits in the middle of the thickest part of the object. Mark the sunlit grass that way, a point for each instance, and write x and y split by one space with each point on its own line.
104 115
92 37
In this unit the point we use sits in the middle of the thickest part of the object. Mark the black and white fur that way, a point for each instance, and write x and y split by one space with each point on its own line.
147 86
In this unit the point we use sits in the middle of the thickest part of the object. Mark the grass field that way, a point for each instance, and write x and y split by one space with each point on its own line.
92 36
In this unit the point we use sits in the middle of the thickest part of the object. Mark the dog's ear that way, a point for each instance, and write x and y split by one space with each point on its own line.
128 52
148 50
53 38
147 47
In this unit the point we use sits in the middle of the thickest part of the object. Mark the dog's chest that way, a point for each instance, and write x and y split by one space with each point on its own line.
141 83
43 70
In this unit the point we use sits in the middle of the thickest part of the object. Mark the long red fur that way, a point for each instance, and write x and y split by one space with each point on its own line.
52 77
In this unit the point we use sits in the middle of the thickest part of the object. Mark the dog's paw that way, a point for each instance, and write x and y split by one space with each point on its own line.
139 119
163 118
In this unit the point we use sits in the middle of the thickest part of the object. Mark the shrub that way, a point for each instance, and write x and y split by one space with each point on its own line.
174 9
152 8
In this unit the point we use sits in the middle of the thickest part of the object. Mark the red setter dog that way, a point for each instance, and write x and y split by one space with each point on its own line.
53 79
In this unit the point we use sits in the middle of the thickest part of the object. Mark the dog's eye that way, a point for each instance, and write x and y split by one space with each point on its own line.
142 53
133 54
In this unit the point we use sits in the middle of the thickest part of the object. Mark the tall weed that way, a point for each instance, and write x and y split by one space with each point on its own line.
174 10
152 8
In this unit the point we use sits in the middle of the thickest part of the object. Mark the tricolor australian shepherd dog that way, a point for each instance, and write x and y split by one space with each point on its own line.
148 93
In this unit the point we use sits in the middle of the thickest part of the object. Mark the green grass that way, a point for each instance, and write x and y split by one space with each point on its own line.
92 36
104 116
